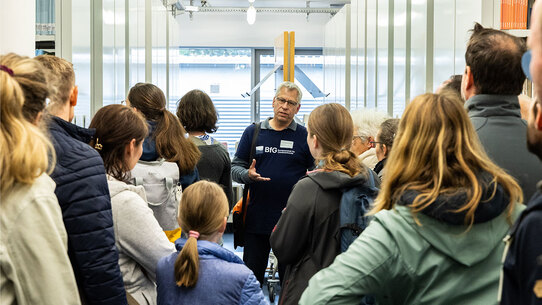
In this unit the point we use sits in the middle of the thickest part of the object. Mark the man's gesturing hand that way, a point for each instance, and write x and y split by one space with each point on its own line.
253 175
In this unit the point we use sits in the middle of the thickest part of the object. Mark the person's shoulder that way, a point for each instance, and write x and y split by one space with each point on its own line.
166 263
531 220
21 196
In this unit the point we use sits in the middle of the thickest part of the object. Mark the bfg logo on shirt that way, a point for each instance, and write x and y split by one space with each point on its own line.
272 150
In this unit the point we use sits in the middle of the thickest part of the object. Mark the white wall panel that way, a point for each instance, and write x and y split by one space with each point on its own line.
81 45
114 59
444 30
137 41
418 48
354 50
399 57
361 55
382 55
371 53
467 13
18 27
159 41
336 49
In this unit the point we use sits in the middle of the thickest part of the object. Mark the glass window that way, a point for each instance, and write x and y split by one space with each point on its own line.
223 73
311 64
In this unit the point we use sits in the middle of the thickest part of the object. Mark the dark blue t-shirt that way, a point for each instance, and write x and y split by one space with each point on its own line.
284 157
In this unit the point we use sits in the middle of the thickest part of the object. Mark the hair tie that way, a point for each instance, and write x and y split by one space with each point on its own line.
6 69
194 234
98 146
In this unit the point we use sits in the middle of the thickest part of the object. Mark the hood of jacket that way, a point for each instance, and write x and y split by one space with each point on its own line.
149 145
208 249
466 247
488 105
443 208
338 180
116 187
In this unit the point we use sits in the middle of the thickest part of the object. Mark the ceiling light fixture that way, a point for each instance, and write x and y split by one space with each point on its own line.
251 14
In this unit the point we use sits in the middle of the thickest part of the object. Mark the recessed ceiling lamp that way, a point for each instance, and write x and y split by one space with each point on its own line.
251 13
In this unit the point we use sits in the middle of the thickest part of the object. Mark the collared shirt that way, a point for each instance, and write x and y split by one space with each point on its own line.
267 125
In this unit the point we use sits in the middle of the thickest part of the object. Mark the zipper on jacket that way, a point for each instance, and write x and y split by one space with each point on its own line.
283 292
507 241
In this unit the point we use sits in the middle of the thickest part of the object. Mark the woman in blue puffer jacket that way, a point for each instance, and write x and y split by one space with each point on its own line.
202 272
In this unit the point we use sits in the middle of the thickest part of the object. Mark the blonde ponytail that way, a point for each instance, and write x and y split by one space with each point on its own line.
187 264
25 151
202 211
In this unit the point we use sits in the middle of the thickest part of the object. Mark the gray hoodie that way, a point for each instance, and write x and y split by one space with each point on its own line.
139 238
503 134
306 238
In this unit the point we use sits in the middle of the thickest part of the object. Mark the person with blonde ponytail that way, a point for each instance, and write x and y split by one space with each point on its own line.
439 219
35 267
202 272
306 238
33 79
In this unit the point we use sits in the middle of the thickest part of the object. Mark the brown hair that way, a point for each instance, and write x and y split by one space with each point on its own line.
110 140
30 151
437 152
203 208
171 143
386 135
494 58
32 78
333 127
197 112
62 79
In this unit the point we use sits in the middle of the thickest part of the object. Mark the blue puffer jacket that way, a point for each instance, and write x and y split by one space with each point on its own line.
223 279
83 195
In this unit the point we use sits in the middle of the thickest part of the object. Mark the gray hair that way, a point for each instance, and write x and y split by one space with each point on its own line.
367 121
290 86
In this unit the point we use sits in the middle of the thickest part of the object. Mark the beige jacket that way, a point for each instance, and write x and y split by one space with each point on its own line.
369 158
35 268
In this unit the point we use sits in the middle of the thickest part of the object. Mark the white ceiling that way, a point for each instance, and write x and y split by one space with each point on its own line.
271 3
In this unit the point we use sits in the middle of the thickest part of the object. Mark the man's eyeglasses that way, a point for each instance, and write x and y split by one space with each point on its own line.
282 101
373 143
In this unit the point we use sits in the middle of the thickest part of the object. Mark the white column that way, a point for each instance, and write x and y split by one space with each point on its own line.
18 27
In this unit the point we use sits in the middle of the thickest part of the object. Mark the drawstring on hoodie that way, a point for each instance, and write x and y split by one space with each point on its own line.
507 242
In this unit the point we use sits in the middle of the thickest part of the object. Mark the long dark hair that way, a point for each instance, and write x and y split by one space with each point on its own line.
116 126
171 143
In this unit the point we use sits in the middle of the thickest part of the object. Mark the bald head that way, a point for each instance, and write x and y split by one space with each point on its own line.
494 58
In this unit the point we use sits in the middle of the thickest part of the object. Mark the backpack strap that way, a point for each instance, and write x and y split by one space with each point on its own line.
252 153
371 178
